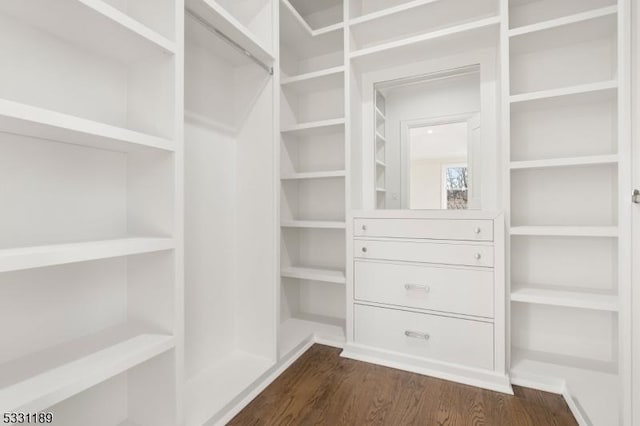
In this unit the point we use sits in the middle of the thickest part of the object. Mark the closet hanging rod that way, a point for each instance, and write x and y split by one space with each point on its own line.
228 40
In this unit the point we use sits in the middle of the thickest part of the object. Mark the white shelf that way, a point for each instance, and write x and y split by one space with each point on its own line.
216 16
571 299
379 114
315 175
380 138
381 15
15 259
314 274
566 231
472 35
381 190
304 41
41 123
567 20
93 25
565 91
381 163
564 162
32 384
327 79
295 332
316 128
313 224
211 390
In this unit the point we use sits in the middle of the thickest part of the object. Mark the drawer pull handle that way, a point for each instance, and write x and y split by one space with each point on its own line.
364 249
416 335
364 227
410 287
477 256
477 230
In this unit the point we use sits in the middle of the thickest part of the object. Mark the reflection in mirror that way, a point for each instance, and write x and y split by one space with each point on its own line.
427 141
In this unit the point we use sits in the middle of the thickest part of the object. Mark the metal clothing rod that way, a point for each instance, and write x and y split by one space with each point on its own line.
228 40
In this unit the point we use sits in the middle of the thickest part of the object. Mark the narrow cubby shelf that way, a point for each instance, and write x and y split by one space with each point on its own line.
380 16
313 274
325 79
565 162
566 20
470 35
314 175
380 163
380 138
381 190
15 259
571 299
315 128
22 119
565 91
313 224
87 22
566 231
218 17
32 384
302 22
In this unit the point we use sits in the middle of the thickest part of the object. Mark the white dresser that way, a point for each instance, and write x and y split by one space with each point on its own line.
426 293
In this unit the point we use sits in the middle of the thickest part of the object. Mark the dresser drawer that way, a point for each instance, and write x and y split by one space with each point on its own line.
437 229
440 338
461 291
430 252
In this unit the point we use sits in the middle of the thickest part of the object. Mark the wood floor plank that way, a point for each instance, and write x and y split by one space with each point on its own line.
321 388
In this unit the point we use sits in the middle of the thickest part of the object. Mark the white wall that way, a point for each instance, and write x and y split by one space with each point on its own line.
452 96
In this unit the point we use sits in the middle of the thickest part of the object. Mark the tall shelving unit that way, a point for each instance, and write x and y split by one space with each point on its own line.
91 150
380 150
313 174
566 104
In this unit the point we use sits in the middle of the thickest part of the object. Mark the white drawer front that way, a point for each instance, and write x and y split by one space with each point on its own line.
453 254
462 291
438 229
451 340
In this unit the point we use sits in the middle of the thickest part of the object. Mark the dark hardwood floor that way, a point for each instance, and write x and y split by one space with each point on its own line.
321 388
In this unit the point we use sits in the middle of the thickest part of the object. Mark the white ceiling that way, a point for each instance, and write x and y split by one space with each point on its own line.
441 141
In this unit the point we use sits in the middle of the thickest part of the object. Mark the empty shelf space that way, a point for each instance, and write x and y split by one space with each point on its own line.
313 274
565 91
314 224
211 12
472 35
326 79
208 392
566 231
16 259
36 382
316 127
18 118
572 299
416 17
86 23
380 138
302 22
379 114
314 175
566 20
564 162
295 332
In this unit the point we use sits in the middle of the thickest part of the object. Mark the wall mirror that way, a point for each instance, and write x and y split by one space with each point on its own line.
427 141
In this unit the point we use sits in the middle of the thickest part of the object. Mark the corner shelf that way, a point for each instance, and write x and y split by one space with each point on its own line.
313 224
564 162
85 23
315 128
100 359
16 259
325 79
314 274
42 123
566 20
314 175
566 231
570 299
215 15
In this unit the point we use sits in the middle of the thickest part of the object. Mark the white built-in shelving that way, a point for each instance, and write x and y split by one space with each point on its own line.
565 66
91 141
313 172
